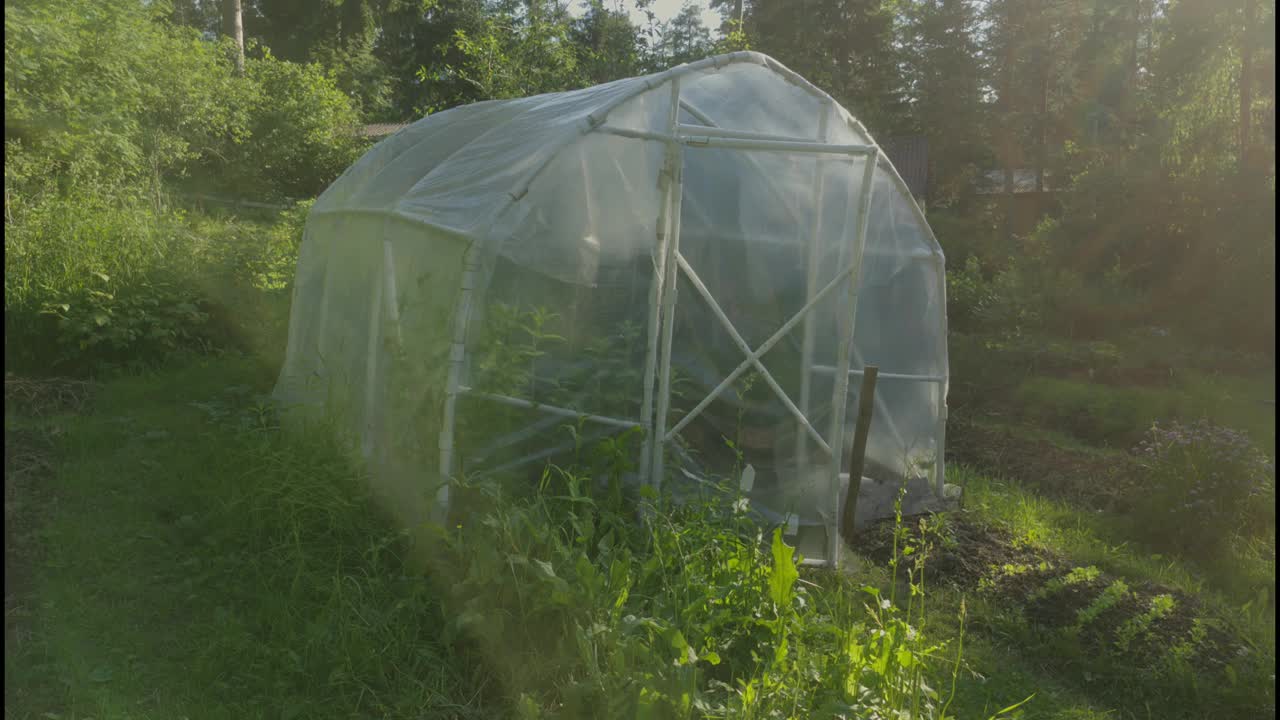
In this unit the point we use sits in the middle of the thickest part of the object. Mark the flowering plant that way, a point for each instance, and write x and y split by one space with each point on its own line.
1208 482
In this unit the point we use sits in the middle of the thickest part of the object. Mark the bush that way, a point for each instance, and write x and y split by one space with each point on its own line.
969 296
299 134
93 281
90 279
110 98
1206 484
694 614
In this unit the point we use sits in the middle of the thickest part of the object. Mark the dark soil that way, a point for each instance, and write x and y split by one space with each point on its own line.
1094 481
977 557
42 397
962 554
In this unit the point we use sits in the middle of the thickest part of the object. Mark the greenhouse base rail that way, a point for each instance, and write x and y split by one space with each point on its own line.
827 369
549 409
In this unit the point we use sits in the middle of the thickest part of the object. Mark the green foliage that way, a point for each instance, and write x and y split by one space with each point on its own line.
249 574
108 108
110 99
1111 596
92 283
107 98
1206 484
692 614
511 56
1139 626
300 133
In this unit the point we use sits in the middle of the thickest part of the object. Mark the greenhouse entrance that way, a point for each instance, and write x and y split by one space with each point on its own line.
792 429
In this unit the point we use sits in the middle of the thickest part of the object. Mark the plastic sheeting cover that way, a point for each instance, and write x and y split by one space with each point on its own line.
560 220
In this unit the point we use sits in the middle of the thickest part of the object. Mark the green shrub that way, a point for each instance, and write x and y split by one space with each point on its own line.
693 614
111 98
1205 485
93 281
969 296
86 276
299 134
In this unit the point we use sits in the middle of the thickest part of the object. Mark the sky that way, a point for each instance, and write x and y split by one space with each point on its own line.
664 9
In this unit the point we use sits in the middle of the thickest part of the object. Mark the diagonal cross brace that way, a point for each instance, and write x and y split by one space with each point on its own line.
753 356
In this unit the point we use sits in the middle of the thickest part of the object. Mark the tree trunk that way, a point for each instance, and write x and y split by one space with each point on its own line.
1246 78
1007 142
1042 136
234 26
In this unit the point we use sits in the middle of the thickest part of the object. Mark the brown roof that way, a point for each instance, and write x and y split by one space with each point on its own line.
377 130
910 157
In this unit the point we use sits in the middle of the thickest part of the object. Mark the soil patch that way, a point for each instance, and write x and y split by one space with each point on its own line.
1098 482
964 552
41 397
1142 624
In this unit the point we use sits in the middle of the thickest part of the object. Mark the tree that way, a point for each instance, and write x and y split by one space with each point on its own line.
847 47
944 85
608 44
685 38
235 30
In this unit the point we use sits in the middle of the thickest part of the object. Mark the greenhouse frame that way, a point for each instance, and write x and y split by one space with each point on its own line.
708 256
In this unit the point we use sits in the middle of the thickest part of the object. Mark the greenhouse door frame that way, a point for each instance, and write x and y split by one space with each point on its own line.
682 138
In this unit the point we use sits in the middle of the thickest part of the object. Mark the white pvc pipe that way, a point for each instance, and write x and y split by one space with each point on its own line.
657 466
939 462
842 368
697 114
828 369
373 327
714 131
392 295
657 284
550 409
729 140
775 145
764 348
457 358
811 279
745 348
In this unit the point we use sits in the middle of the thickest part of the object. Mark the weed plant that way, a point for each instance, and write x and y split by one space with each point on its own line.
696 612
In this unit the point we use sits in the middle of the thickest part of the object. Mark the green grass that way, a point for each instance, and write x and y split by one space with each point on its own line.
1228 593
243 574
196 562
195 569
1102 539
1101 414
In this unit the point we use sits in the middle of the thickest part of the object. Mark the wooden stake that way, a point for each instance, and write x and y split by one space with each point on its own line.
858 456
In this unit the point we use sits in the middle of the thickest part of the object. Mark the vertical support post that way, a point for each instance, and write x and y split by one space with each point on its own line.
939 461
669 270
845 349
857 458
658 285
372 351
457 358
391 294
811 281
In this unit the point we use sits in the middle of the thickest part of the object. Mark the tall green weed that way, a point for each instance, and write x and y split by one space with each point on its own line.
696 612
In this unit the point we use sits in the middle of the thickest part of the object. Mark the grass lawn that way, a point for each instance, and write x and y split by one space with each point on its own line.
188 567
181 558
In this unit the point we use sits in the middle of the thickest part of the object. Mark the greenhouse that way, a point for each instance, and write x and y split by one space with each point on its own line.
698 264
